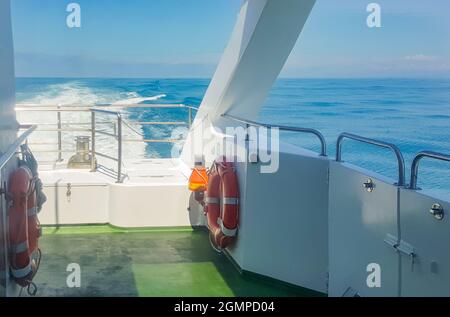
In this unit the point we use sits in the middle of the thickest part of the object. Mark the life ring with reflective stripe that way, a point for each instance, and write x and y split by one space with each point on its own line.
24 228
222 204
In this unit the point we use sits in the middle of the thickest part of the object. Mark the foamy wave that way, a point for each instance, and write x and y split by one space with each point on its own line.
137 100
75 93
67 94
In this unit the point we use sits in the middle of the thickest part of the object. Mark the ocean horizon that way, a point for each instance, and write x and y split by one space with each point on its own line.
412 113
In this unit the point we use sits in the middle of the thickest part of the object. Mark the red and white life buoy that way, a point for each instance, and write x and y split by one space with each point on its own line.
24 228
222 204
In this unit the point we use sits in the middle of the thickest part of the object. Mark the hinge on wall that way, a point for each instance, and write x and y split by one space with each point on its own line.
391 241
401 247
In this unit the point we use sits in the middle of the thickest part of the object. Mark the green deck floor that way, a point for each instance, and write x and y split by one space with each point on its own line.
117 262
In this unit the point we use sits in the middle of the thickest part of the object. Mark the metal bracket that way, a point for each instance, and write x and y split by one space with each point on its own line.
406 249
69 192
391 241
369 185
437 211
402 246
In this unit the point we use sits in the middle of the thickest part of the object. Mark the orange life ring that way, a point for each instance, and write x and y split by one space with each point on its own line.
24 228
222 204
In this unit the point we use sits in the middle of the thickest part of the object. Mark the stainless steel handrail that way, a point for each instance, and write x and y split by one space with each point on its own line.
59 109
323 145
43 107
12 149
54 109
415 164
120 139
118 116
386 145
108 110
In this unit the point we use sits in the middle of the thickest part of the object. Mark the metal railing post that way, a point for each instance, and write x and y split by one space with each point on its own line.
58 115
415 164
119 148
93 127
323 144
189 117
117 126
386 145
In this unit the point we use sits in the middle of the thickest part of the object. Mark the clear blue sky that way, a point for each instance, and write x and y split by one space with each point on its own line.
185 38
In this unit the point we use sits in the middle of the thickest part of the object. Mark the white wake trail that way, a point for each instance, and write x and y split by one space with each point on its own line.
137 100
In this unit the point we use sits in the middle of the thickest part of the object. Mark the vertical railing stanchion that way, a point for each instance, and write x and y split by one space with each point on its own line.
415 164
386 145
58 114
190 117
93 160
323 144
117 132
247 142
119 148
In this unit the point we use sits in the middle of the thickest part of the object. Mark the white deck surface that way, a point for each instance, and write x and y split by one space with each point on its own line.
144 171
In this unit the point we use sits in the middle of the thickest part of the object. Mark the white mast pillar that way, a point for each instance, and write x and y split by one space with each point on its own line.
262 39
8 123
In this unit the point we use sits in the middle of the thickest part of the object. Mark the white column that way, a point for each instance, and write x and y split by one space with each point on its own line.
8 123
262 39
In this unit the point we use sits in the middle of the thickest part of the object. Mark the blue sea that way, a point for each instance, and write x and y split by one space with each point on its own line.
414 114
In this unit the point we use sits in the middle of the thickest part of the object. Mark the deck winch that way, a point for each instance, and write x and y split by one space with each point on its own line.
83 157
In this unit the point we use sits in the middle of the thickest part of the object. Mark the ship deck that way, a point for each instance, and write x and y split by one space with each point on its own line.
145 262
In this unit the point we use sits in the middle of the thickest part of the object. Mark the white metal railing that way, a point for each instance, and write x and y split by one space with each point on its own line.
92 127
415 164
320 137
378 143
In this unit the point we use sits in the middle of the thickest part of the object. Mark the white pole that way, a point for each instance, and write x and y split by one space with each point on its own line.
8 123
263 37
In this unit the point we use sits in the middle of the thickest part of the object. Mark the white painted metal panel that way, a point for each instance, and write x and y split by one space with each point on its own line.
358 224
77 204
429 275
285 219
151 206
